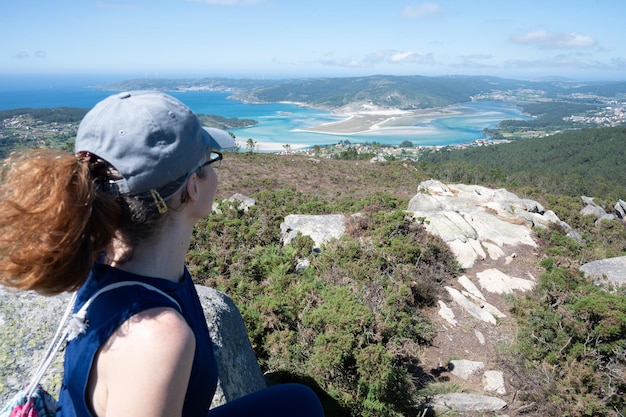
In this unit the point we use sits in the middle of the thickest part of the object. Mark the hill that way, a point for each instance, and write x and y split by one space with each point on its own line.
399 92
579 162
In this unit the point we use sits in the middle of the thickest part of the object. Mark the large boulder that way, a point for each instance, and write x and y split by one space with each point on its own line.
321 228
28 322
611 271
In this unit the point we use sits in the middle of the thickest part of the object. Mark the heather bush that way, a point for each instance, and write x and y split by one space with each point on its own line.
574 335
351 320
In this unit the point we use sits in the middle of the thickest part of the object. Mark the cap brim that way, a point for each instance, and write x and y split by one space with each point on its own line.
218 139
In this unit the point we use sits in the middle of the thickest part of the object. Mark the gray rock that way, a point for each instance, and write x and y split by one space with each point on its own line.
424 202
493 381
588 201
620 209
244 202
594 211
472 218
28 322
321 228
614 269
465 369
238 369
466 402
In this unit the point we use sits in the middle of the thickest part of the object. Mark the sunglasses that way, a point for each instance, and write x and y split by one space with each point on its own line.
215 160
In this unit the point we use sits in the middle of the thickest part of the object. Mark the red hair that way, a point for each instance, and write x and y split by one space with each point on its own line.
54 221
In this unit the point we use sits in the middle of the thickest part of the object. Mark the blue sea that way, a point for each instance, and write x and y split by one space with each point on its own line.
279 123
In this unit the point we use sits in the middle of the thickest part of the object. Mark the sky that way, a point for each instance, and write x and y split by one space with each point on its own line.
522 39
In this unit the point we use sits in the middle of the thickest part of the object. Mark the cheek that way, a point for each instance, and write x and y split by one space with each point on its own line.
211 180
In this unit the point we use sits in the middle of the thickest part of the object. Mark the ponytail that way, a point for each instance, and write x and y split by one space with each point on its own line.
54 221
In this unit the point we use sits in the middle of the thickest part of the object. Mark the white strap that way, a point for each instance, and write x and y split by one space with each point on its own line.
77 325
55 346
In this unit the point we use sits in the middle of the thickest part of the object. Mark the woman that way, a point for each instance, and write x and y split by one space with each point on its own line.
123 209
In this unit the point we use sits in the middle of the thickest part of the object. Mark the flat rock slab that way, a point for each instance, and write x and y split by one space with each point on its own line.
467 402
613 268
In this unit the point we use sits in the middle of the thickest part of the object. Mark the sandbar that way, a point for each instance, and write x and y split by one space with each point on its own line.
368 121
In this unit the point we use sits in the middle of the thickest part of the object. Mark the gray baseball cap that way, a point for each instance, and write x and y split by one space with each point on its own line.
150 138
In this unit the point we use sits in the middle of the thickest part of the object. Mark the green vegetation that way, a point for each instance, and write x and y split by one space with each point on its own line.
56 128
583 162
351 319
287 309
225 123
405 92
572 346
56 115
548 117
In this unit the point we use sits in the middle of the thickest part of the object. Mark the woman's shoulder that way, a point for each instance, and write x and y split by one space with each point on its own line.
149 356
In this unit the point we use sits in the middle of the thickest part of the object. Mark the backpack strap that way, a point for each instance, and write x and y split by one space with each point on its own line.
55 346
77 325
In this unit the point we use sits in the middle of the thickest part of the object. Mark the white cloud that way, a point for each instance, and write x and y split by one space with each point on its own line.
375 58
551 40
399 57
421 10
40 54
21 55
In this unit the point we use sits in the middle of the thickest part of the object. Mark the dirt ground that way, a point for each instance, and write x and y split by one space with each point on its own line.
463 341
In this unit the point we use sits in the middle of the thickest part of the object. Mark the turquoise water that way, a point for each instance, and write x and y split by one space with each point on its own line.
279 123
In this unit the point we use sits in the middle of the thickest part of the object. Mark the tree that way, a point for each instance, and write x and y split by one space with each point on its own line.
250 145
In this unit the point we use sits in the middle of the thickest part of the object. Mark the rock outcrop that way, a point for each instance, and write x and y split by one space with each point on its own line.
486 229
477 222
28 322
593 209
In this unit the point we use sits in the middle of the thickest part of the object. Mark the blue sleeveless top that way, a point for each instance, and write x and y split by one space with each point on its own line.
110 310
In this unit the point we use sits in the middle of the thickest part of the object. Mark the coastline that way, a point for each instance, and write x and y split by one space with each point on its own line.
265 146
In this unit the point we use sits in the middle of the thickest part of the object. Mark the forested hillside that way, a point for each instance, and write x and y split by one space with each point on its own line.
581 162
409 92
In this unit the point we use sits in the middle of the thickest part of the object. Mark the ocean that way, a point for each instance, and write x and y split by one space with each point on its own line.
279 123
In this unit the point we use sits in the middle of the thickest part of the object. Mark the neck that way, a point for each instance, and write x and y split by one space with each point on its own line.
161 257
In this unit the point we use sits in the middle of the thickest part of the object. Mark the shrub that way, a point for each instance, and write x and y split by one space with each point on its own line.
575 333
351 320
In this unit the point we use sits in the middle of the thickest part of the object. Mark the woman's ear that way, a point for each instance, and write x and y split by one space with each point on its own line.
192 187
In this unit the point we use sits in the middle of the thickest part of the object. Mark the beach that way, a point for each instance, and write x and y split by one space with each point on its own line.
266 146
